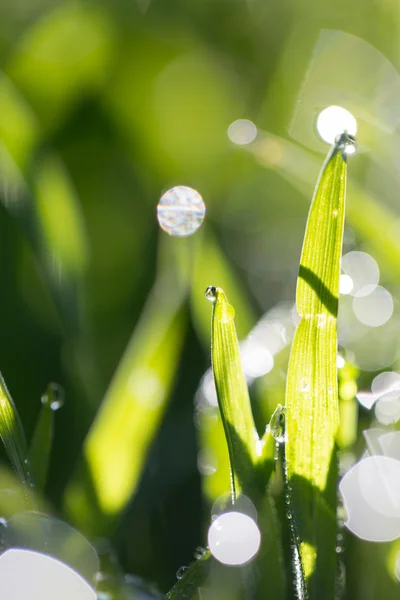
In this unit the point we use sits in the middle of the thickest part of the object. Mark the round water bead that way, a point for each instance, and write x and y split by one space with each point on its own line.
54 396
234 538
181 211
211 293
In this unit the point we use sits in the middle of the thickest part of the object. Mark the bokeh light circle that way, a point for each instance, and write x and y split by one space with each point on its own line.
242 132
181 211
370 491
375 308
234 538
363 271
29 574
334 120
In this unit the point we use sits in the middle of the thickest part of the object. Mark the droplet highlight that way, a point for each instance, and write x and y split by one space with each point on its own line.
181 211
211 293
181 571
277 424
54 396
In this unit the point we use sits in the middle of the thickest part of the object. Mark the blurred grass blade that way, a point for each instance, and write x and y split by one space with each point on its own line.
12 434
78 36
116 447
233 396
42 439
312 394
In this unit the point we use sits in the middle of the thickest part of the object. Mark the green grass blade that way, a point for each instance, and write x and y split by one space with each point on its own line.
371 220
12 434
116 447
233 396
311 394
189 585
42 439
211 264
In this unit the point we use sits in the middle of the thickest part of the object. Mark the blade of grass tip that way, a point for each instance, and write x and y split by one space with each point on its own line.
247 459
42 439
12 435
311 393
233 396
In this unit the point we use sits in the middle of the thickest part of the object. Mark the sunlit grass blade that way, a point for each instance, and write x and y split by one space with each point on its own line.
374 222
12 434
312 394
116 447
210 264
233 396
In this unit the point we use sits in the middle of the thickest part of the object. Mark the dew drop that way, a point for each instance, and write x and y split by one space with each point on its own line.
346 143
211 293
277 424
54 396
181 571
199 552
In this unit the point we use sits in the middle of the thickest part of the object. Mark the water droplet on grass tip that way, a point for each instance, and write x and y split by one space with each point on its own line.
211 293
199 552
181 211
54 396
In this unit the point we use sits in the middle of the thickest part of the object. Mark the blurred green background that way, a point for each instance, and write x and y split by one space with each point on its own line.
103 107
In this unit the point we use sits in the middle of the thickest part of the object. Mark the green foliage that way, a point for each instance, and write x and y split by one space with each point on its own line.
104 106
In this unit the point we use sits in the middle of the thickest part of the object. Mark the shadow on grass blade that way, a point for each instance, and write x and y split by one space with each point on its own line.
312 394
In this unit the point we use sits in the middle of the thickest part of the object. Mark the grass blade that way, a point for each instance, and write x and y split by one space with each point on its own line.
12 434
311 394
244 446
116 447
42 439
